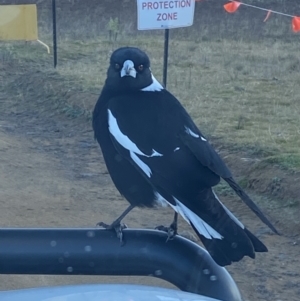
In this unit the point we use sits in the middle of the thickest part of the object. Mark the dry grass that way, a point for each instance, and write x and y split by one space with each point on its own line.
243 91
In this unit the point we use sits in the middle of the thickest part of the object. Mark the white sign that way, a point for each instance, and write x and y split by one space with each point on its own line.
156 14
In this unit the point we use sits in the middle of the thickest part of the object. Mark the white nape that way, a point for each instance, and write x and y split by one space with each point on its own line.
229 213
155 86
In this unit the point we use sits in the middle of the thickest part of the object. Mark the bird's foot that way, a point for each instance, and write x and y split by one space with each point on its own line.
171 230
118 227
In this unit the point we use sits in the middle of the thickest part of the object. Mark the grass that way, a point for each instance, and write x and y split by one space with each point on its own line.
245 93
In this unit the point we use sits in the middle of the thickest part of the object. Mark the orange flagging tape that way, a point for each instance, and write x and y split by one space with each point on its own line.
232 7
296 24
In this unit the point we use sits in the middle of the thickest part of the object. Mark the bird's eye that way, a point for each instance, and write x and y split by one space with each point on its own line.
141 67
117 66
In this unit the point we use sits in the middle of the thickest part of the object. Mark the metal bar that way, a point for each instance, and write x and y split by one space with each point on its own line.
98 252
54 32
166 53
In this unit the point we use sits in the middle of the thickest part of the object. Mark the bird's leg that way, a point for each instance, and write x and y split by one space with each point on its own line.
116 225
172 229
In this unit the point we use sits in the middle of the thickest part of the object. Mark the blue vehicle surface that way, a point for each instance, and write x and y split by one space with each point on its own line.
107 292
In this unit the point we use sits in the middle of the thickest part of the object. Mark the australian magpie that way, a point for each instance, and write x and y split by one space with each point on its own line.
156 155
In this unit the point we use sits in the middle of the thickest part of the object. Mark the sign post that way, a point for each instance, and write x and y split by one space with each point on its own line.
165 14
166 53
54 33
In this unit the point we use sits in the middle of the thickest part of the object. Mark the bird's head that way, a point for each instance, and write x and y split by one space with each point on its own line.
129 70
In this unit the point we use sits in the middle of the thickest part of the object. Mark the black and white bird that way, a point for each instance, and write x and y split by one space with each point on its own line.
156 155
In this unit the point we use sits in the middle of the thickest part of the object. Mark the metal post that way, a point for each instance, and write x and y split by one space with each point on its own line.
54 32
166 52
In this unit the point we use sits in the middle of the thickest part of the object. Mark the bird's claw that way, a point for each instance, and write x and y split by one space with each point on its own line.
103 225
118 229
171 231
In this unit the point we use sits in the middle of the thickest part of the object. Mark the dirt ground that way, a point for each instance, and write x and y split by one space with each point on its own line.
52 174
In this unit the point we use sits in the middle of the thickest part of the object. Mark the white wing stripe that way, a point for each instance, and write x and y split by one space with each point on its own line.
205 229
129 145
179 210
144 167
124 140
120 137
190 217
160 200
155 154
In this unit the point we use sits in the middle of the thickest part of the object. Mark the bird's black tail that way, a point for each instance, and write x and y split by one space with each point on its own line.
246 199
233 247
223 235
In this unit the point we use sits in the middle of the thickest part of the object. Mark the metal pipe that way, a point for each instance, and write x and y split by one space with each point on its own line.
98 252
166 55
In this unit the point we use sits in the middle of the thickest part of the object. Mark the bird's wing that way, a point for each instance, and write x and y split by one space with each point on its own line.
208 157
161 124
150 138
156 134
202 149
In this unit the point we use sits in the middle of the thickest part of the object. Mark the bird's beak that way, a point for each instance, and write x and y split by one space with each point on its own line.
128 69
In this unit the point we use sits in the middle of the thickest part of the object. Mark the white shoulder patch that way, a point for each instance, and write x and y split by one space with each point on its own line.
190 132
155 86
